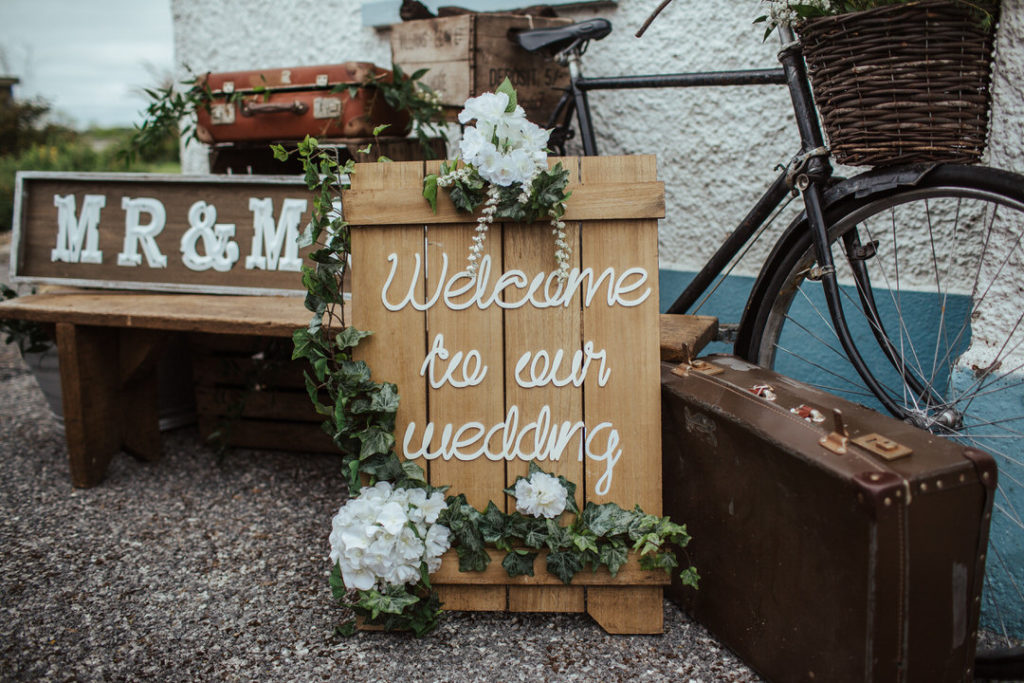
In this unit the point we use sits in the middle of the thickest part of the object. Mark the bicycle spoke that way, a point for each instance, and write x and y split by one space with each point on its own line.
822 368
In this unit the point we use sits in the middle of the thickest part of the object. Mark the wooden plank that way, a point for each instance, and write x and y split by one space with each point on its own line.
630 574
599 202
683 336
273 405
390 362
139 352
624 333
302 437
272 316
88 378
137 224
466 331
239 371
531 334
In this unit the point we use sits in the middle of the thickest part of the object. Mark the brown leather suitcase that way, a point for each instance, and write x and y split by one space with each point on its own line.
290 103
831 548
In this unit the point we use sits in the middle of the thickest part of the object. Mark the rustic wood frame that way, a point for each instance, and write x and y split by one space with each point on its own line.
26 178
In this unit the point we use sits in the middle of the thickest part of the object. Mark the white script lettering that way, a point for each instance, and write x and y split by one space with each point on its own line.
543 368
543 291
473 440
470 377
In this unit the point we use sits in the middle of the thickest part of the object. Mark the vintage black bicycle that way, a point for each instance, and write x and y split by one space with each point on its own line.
900 287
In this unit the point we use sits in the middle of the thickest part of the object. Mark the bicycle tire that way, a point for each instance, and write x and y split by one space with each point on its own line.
968 220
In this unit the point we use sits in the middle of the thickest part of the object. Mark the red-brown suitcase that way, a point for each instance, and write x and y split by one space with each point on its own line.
290 103
824 555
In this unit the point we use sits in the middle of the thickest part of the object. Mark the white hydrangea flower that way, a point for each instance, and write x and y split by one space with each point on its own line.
486 107
541 495
382 536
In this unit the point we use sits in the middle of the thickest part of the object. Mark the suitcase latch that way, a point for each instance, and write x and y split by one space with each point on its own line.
222 114
882 446
837 439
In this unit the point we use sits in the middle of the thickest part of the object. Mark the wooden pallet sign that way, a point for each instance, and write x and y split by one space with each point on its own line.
515 367
209 234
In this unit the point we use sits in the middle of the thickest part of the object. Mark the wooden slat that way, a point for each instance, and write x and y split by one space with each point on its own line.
630 574
529 330
468 330
610 201
624 333
275 405
270 435
389 361
272 316
683 336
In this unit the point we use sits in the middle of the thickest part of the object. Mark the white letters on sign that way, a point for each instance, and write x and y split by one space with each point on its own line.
72 230
273 237
206 244
220 251
136 233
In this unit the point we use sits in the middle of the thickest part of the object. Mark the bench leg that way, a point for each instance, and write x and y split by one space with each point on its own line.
109 387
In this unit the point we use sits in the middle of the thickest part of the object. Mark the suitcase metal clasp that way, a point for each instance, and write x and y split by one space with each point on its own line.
882 446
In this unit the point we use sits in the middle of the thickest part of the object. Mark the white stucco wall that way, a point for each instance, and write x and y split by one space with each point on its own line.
716 147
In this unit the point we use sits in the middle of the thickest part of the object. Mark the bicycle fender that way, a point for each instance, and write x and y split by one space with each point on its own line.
874 181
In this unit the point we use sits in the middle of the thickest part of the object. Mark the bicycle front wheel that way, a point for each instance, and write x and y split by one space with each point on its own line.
932 287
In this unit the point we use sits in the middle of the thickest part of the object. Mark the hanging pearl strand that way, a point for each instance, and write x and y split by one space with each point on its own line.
482 224
563 251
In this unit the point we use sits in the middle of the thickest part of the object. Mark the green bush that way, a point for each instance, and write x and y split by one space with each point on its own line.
26 144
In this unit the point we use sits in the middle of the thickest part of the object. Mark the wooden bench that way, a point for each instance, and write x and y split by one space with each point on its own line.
109 342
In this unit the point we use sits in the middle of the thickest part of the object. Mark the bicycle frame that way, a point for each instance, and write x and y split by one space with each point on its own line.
808 173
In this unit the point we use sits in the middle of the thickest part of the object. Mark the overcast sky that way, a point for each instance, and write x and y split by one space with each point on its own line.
87 58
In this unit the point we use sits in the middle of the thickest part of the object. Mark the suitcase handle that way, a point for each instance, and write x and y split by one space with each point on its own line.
256 108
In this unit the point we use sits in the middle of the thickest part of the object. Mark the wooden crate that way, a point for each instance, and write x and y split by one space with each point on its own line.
252 395
470 54
400 248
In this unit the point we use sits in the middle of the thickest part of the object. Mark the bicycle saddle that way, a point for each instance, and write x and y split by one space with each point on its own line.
560 37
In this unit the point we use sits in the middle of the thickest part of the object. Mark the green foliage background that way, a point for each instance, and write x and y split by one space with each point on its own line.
29 141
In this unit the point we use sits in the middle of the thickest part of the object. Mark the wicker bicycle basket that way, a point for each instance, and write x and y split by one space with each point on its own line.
902 83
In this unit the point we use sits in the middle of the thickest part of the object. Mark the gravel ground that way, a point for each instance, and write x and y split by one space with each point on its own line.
196 568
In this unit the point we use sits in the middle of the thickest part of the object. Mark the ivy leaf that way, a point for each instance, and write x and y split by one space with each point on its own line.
666 561
471 560
690 577
413 471
564 565
375 441
385 399
537 535
392 602
492 524
380 129
519 562
280 153
350 337
346 628
606 520
613 556
430 190
337 583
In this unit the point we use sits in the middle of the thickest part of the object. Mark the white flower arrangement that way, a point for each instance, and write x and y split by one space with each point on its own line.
541 495
505 169
385 535
789 12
